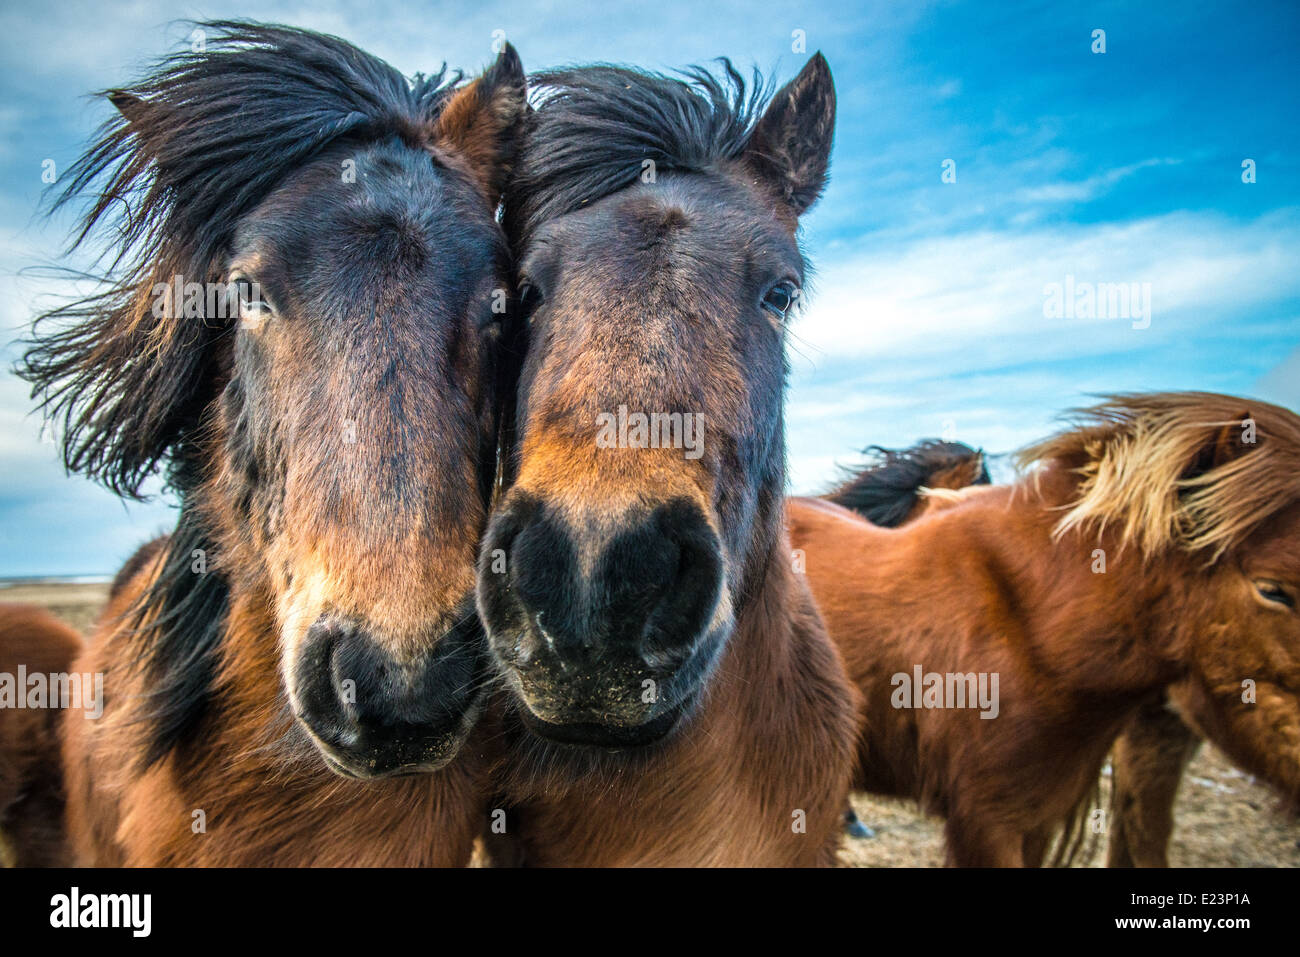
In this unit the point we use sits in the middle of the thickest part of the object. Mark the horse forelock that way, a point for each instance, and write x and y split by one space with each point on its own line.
596 126
207 134
1134 459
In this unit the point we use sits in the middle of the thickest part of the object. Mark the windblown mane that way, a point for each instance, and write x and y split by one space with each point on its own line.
595 126
885 489
197 144
1143 468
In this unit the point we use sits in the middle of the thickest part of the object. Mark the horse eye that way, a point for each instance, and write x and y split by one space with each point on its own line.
780 298
251 306
1274 592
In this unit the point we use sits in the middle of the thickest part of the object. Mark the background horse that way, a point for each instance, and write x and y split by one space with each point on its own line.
671 695
1147 765
1148 758
888 490
31 782
328 423
1157 544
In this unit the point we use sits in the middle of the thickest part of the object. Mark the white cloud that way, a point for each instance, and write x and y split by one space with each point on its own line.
985 291
901 341
1086 189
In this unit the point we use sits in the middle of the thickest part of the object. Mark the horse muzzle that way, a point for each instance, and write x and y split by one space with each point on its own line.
616 650
373 715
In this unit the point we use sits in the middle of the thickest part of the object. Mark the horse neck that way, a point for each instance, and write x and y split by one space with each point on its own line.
1126 605
775 612
1097 626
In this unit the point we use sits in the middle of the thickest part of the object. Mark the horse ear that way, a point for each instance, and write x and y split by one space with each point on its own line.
483 119
790 148
129 105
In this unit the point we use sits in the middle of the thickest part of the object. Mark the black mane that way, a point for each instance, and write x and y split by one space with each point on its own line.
884 490
197 144
595 126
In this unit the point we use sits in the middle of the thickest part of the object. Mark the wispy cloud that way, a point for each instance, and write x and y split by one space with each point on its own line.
949 332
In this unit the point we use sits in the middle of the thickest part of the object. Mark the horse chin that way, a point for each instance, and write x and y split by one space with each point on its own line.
400 750
609 737
577 714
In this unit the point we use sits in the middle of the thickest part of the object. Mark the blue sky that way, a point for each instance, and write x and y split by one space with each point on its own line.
927 313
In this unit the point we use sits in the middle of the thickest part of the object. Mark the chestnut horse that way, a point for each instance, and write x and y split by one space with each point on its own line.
327 419
1156 545
1148 758
36 652
889 490
670 695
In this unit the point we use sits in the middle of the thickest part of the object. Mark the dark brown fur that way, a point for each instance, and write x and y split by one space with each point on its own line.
334 457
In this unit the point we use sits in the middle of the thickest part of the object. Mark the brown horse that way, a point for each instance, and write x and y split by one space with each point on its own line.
36 655
1004 640
305 639
889 489
1149 757
671 697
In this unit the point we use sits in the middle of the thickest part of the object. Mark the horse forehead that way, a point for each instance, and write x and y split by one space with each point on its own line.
703 216
349 187
401 216
1278 539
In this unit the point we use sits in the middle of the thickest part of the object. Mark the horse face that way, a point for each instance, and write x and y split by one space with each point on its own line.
649 414
1245 692
359 425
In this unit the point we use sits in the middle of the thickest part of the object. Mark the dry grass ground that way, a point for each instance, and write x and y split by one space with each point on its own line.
1224 818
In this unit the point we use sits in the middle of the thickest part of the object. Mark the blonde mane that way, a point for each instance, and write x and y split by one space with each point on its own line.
1147 465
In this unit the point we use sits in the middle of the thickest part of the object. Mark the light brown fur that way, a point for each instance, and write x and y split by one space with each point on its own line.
1001 581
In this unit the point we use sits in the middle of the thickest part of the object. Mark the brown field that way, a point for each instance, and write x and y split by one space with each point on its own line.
1224 817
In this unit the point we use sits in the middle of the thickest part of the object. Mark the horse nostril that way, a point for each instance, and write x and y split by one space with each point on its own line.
645 602
690 595
318 703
